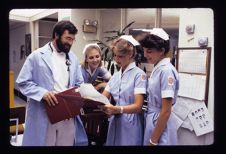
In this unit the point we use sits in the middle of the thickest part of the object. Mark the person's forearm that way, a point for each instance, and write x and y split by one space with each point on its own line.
160 126
132 108
101 85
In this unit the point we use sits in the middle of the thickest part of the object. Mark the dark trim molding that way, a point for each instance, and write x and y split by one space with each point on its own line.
49 19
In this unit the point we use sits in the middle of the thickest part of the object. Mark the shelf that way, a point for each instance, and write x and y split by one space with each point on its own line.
44 37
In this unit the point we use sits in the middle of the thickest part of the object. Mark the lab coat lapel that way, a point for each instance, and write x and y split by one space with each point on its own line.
46 56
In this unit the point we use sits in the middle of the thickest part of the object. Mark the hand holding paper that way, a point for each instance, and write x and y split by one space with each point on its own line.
72 100
89 92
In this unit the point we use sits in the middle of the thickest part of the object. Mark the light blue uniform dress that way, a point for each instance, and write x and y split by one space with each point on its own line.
34 80
126 129
163 83
90 78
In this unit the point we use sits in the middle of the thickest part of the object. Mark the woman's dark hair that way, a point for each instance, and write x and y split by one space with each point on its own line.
63 25
153 41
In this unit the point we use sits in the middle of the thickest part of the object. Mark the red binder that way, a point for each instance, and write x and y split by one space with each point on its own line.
69 104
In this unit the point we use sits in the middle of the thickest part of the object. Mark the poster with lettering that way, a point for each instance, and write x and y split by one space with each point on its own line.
200 119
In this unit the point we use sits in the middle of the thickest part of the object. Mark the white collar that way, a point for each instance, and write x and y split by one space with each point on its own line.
52 46
89 71
130 66
162 62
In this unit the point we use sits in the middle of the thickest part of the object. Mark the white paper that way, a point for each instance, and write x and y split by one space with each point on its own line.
178 121
181 109
187 124
200 119
192 86
192 61
88 91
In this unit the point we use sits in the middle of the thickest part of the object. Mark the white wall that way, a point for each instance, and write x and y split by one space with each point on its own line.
64 14
111 20
203 20
110 17
77 16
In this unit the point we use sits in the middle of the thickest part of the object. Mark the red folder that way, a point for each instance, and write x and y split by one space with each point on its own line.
69 104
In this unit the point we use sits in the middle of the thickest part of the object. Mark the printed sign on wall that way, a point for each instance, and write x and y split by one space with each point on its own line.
200 119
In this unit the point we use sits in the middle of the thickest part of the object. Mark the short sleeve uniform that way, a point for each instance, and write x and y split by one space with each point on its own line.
126 129
91 77
163 83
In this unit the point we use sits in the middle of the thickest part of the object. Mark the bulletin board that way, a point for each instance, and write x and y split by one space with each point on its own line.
193 66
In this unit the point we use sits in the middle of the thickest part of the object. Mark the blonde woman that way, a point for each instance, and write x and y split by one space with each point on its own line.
92 66
127 87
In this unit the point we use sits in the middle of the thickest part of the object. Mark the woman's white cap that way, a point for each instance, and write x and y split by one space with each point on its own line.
88 45
158 32
130 39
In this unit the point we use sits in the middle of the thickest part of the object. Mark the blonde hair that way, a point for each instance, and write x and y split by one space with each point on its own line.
123 46
88 48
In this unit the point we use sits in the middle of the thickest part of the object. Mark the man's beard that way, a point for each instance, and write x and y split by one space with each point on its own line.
63 47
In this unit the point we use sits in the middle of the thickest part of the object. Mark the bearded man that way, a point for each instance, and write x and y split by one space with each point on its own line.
48 70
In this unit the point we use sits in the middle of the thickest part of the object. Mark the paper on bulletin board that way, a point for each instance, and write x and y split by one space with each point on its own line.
181 108
193 61
178 121
187 124
192 86
200 119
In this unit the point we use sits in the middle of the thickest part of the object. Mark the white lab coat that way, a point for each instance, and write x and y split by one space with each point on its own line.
34 80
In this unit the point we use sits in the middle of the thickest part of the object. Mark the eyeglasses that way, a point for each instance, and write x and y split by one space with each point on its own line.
69 39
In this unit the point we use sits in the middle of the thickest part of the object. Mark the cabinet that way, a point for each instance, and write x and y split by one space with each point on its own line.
43 31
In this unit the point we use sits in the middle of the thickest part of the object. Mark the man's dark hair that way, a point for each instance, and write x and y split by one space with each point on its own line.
63 25
153 41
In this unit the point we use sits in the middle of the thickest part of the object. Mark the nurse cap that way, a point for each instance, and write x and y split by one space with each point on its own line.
88 45
158 32
130 39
